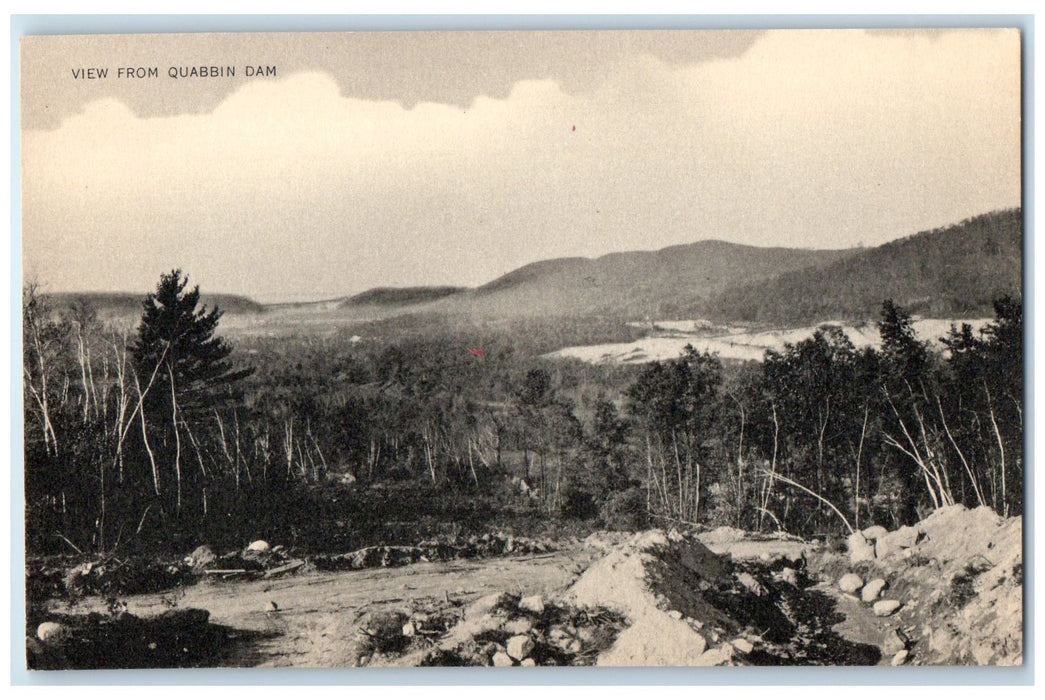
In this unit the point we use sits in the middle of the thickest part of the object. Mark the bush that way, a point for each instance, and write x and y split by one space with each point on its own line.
578 504
625 510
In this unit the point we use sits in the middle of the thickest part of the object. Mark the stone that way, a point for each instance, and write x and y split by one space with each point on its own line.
258 546
519 646
52 632
575 647
892 642
533 603
528 662
715 657
751 583
501 659
850 583
675 614
874 532
870 592
859 548
900 658
201 557
897 541
409 629
742 645
487 604
519 625
789 575
884 608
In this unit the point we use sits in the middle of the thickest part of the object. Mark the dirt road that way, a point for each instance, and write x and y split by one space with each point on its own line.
316 614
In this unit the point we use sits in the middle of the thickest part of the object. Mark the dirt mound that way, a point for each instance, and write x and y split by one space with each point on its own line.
687 606
957 577
475 547
178 638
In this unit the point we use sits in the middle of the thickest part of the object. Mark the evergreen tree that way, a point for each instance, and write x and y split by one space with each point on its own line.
176 341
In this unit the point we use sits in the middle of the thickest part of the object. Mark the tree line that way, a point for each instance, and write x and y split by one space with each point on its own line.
163 434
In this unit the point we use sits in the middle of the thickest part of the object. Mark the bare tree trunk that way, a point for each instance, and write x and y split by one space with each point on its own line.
177 438
859 454
1001 450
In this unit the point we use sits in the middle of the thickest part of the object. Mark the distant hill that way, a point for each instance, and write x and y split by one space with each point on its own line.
400 296
125 304
953 271
642 284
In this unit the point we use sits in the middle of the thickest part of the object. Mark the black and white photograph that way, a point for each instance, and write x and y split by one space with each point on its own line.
530 348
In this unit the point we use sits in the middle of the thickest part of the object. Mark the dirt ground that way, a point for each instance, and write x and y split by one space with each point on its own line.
952 585
316 615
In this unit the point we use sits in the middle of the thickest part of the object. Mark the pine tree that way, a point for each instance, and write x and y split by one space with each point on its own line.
177 342
181 373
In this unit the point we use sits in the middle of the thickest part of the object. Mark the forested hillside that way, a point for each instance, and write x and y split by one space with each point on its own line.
954 271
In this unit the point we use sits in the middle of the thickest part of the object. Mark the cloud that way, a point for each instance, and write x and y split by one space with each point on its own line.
289 189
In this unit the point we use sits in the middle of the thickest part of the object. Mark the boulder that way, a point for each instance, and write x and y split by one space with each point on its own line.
899 658
201 557
488 604
850 583
750 583
860 549
870 592
789 575
501 659
742 645
898 540
534 604
519 647
52 632
892 642
519 625
874 532
529 662
258 546
884 608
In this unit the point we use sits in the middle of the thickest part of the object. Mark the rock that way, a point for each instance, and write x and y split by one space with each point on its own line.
871 591
742 645
519 646
789 575
501 659
892 642
519 625
575 647
258 546
675 614
52 632
528 662
897 541
874 532
751 583
900 658
201 557
850 583
716 657
534 604
409 629
489 603
884 608
859 548
75 578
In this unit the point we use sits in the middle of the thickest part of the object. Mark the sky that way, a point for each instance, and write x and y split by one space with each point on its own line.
397 159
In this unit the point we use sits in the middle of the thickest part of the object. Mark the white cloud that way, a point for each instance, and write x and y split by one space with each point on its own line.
289 189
